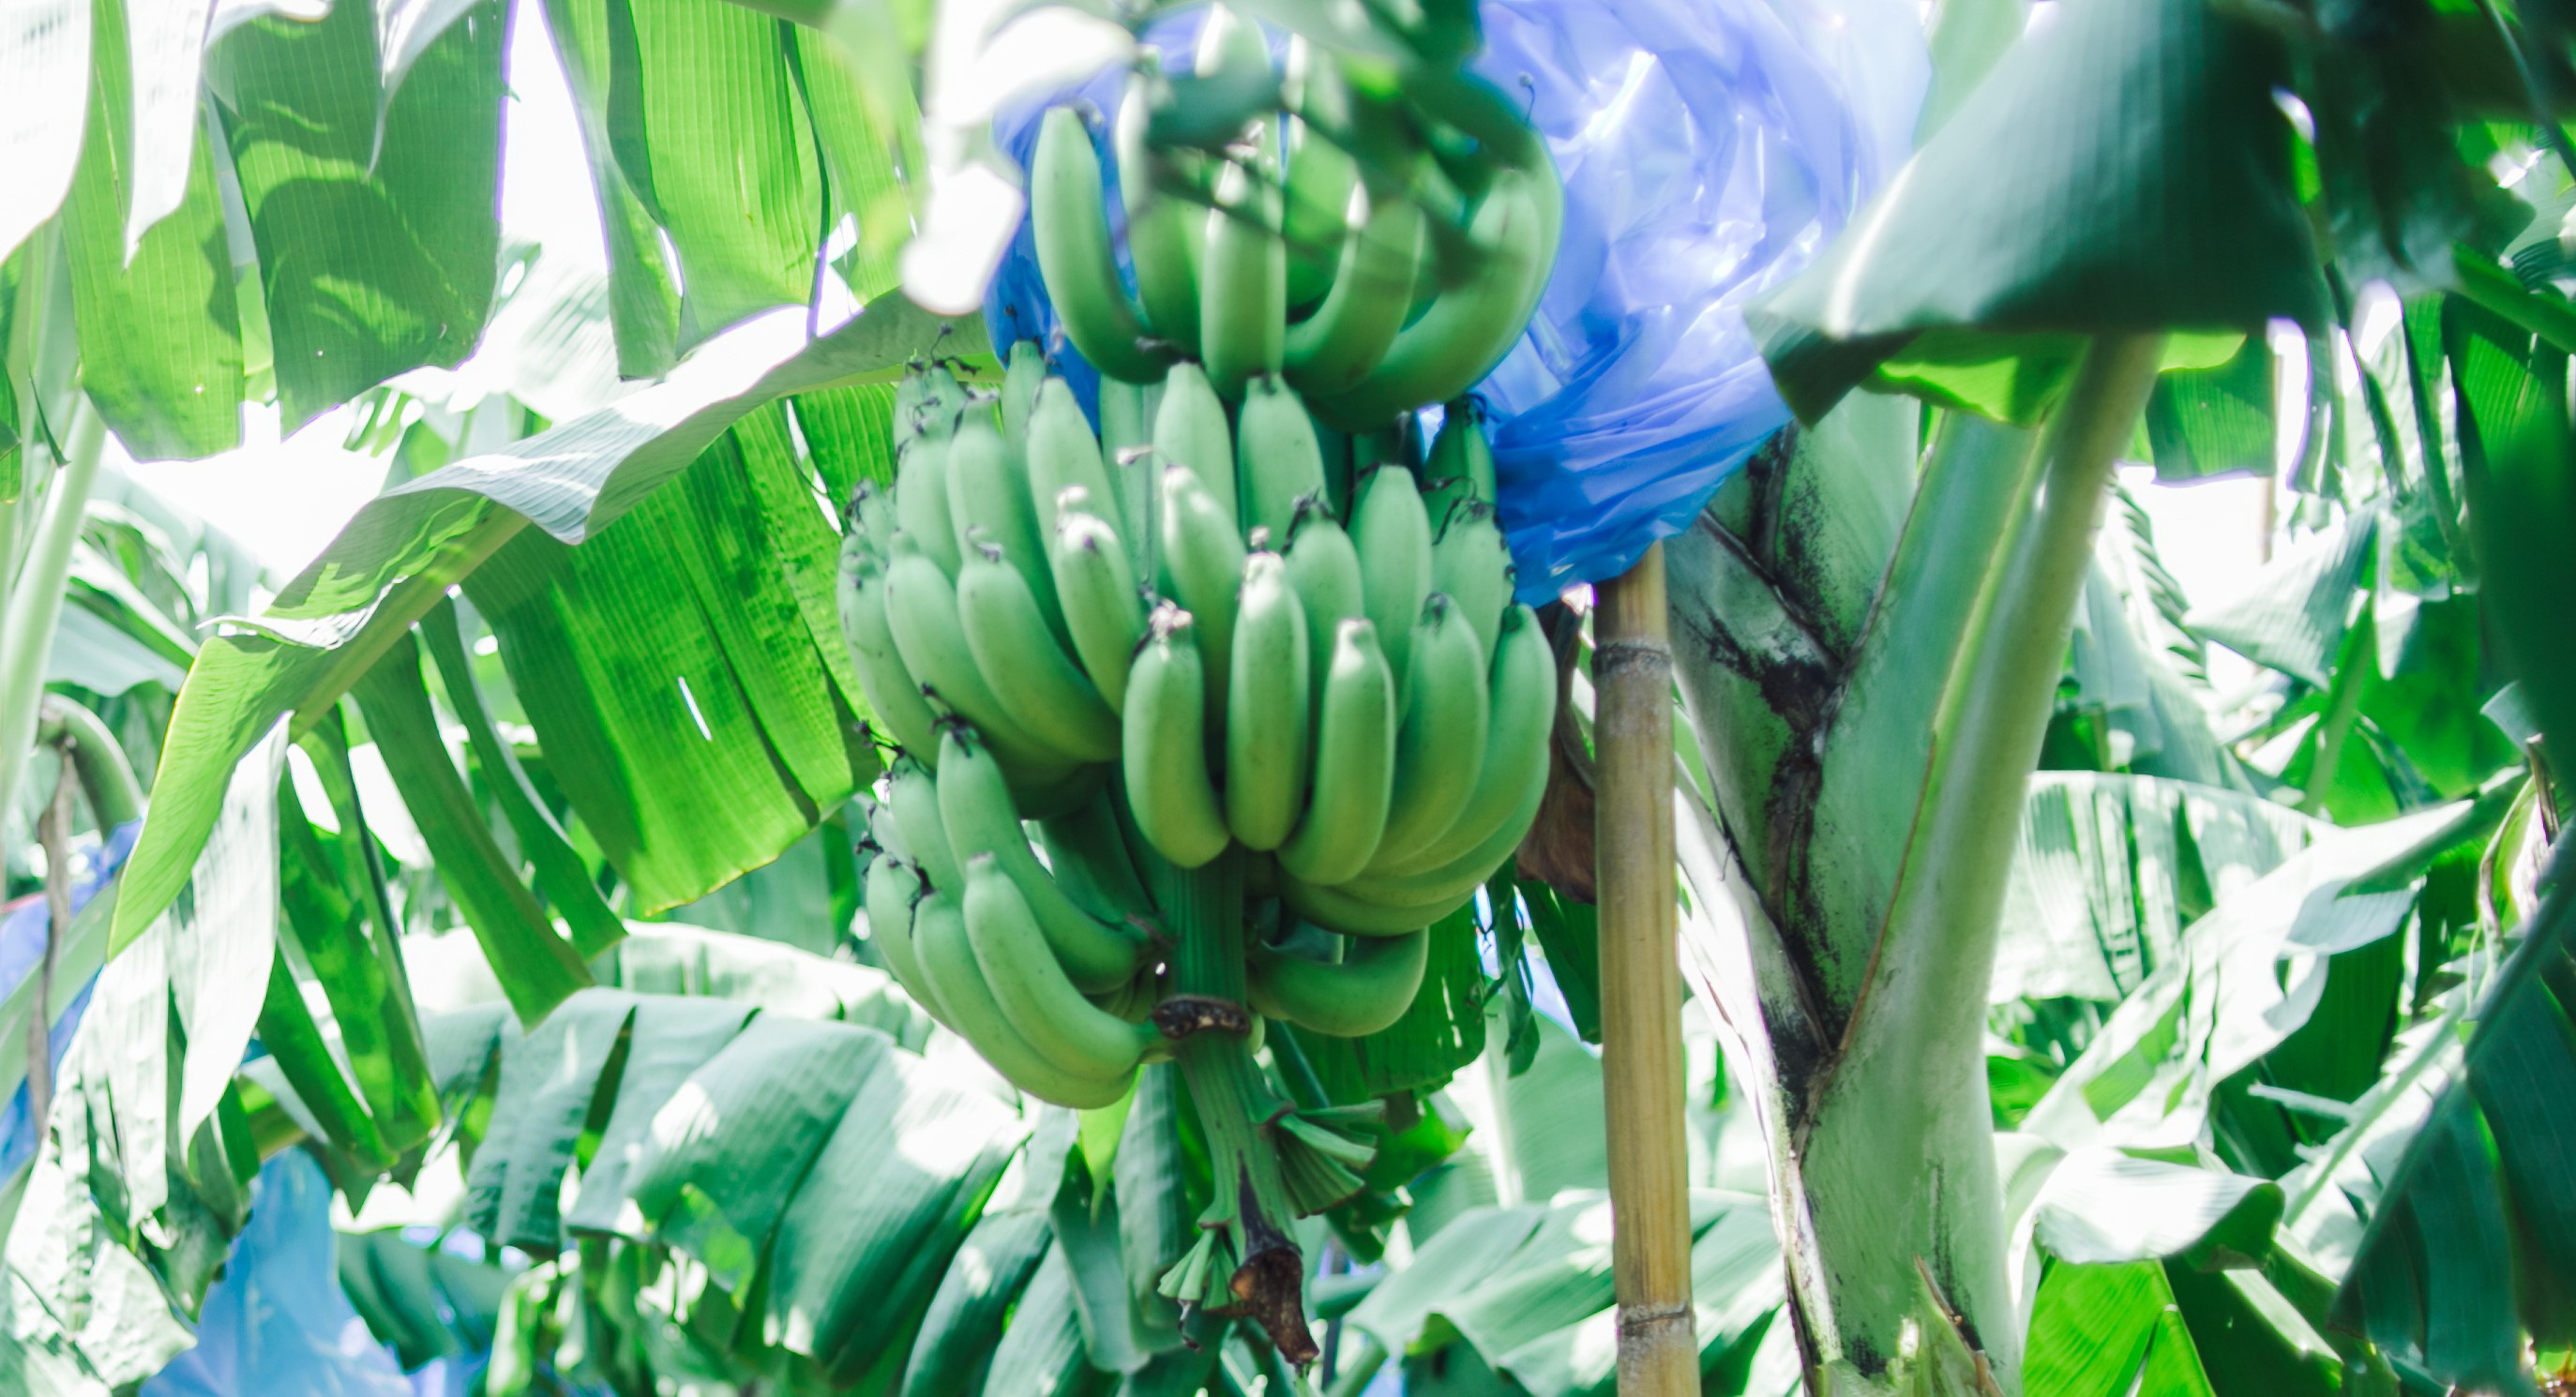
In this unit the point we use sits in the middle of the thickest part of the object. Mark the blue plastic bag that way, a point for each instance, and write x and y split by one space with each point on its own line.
276 1323
22 946
1710 148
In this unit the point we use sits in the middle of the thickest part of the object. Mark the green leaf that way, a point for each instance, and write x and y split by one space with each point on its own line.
424 1302
708 128
549 1079
2100 1206
2293 614
375 257
46 70
669 1040
395 560
1041 1353
644 299
2158 197
2110 1329
982 1282
160 339
561 876
2214 421
536 967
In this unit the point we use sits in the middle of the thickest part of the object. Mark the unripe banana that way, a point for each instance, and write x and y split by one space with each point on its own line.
1168 791
1354 763
1162 227
1265 718
1473 324
988 493
1333 349
1441 744
1102 607
1394 539
1062 452
976 806
1022 662
1190 430
1321 176
893 888
893 696
1044 800
1127 414
948 963
1091 862
1068 1030
870 519
921 490
1471 563
921 610
1462 450
1021 375
1452 882
1337 910
1066 200
1243 289
912 797
1325 570
1203 561
1366 992
1277 459
1521 698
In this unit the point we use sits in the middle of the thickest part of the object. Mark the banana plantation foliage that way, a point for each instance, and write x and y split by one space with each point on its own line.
959 756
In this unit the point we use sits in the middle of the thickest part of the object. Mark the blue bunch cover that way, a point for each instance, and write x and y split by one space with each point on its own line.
1709 148
23 925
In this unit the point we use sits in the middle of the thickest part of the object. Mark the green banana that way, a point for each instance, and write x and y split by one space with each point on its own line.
1277 458
1243 287
1325 570
1068 1030
1102 607
1265 718
1027 670
1190 430
1354 763
1450 883
921 610
1046 799
1074 253
1334 348
1092 864
948 964
1462 451
1162 229
1321 178
1062 452
1168 791
1470 562
1521 699
976 806
1203 557
1021 375
1374 983
893 888
921 489
912 798
870 519
1393 536
1336 910
1441 744
1471 325
1127 415
988 493
892 695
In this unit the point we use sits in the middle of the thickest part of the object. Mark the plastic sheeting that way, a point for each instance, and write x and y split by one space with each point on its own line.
277 1324
22 946
1710 148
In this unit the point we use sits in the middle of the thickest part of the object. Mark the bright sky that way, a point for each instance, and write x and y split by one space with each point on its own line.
284 499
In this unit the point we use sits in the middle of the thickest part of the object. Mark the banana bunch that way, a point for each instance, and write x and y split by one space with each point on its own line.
1373 286
1360 705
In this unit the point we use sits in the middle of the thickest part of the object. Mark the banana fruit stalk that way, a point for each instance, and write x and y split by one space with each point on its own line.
1247 656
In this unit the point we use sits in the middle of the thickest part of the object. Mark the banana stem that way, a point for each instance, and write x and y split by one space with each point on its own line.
1203 910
